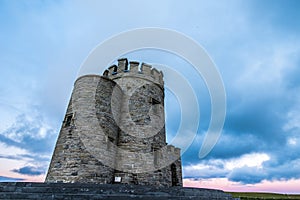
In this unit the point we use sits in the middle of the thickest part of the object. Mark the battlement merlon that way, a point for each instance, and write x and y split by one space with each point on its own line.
134 68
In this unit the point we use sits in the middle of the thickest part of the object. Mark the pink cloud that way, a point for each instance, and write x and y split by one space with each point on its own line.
290 186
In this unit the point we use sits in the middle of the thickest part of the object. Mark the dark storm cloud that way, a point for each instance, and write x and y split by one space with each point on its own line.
251 175
283 164
9 179
250 127
257 116
232 146
29 170
247 175
228 146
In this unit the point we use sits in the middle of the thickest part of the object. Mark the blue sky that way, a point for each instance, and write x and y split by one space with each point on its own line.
255 45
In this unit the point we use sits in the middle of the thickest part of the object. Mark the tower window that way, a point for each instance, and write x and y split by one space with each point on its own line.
68 120
155 104
110 142
154 101
155 151
111 139
174 177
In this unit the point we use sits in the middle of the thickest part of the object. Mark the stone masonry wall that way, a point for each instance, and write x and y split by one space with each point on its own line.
115 127
142 138
83 152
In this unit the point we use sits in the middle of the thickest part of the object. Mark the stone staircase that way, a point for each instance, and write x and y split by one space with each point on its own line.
72 191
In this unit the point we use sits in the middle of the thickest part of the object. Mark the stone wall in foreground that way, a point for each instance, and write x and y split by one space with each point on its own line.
69 191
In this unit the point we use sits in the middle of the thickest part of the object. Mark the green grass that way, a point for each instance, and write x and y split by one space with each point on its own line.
257 195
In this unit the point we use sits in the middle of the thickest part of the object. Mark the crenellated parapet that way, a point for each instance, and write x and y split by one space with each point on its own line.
134 68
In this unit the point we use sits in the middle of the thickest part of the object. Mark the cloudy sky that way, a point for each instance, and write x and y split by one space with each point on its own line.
254 44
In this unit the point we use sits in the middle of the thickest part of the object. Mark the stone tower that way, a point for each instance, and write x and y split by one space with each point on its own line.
114 131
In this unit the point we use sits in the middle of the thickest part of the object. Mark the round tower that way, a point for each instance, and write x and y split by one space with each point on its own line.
84 150
114 131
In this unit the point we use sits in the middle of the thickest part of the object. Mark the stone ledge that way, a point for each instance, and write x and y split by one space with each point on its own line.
27 190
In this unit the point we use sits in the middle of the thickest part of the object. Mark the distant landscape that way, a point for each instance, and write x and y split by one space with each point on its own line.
257 195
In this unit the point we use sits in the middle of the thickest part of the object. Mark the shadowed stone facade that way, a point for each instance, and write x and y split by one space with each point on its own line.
114 131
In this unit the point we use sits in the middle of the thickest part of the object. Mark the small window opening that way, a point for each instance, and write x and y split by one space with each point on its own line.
175 181
154 101
68 120
110 142
155 151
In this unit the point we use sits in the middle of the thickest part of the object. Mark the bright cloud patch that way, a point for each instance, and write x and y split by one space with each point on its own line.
26 148
222 168
27 127
248 169
30 132
247 160
7 151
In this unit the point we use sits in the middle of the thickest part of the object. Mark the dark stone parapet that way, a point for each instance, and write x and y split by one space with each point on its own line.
134 69
28 190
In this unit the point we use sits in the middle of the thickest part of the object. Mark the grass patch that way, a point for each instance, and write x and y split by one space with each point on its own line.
258 195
